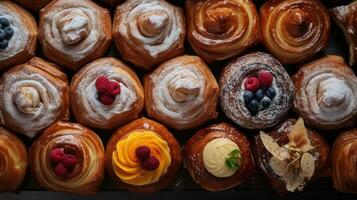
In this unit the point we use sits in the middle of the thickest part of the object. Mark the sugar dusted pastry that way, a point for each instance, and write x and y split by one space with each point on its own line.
74 32
33 5
106 94
219 157
181 93
33 96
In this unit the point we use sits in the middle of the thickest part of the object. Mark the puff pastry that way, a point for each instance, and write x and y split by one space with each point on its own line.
33 5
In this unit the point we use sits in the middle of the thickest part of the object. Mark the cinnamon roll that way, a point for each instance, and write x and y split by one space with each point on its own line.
13 161
106 94
346 18
219 157
33 5
143 156
148 32
219 30
18 35
294 30
74 32
181 93
256 91
69 158
291 156
344 162
33 96
326 92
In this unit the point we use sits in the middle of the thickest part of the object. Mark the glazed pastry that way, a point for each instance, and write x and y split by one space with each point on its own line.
219 157
219 30
33 96
143 156
69 158
326 90
148 32
291 156
346 18
344 161
18 35
181 93
33 5
106 94
13 161
256 91
294 30
74 32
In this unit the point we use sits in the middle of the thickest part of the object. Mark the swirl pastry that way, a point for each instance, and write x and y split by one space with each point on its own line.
148 32
13 161
256 91
74 32
219 30
346 18
69 158
344 162
326 91
294 30
143 156
105 94
219 157
33 5
181 93
291 156
18 35
33 96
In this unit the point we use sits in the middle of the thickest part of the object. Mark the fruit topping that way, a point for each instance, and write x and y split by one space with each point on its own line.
142 153
253 106
150 164
69 161
265 78
265 102
61 170
107 90
271 93
252 84
6 33
56 155
259 95
247 96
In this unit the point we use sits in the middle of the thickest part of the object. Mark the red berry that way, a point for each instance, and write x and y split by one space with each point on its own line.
61 170
69 161
114 88
102 84
106 99
252 84
56 155
142 153
150 164
265 78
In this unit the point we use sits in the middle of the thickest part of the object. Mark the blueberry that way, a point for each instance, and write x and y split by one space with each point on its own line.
9 32
248 96
271 93
2 34
253 106
4 44
265 102
259 95
4 22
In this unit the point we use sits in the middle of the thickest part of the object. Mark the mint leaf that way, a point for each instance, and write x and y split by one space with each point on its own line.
234 159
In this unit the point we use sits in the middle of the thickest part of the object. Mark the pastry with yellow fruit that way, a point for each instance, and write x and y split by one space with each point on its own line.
143 156
219 157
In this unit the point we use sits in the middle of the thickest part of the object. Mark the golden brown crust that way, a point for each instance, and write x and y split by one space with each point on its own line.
194 163
87 147
34 5
175 153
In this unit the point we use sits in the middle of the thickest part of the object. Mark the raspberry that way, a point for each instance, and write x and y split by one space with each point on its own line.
252 84
114 88
61 170
150 164
106 99
142 153
265 78
69 161
102 84
56 155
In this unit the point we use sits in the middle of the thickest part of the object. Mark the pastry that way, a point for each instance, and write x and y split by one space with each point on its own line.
33 96
33 5
148 32
143 156
346 18
294 30
256 91
106 94
344 162
18 35
219 30
219 157
74 32
69 158
291 156
13 161
326 92
181 93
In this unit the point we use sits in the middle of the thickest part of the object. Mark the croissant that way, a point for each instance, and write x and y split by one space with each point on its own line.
33 96
69 158
13 161
143 156
148 32
18 35
291 156
74 32
256 91
294 30
346 18
33 5
326 91
219 157
91 103
181 93
219 30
